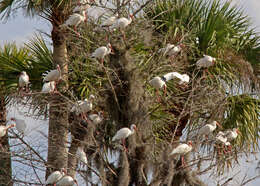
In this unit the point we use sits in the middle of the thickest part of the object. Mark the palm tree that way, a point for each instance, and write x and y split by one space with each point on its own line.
56 12
12 62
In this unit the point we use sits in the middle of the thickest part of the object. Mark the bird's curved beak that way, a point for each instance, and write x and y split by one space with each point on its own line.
239 132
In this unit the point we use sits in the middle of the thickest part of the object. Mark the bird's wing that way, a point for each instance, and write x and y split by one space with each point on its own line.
180 149
122 133
53 177
185 78
172 75
50 76
99 52
73 19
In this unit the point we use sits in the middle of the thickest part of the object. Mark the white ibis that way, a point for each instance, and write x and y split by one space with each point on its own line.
82 155
231 135
101 52
82 107
222 139
24 81
54 177
3 129
122 23
53 75
175 50
166 49
124 133
205 62
208 128
20 125
66 181
48 87
110 21
160 82
96 118
75 19
182 149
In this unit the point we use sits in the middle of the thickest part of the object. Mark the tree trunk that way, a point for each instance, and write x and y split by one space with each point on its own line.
5 156
58 112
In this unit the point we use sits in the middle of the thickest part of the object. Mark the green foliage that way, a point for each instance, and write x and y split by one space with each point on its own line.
243 112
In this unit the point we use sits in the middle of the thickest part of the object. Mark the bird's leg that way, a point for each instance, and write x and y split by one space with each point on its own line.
75 29
158 96
229 148
123 143
164 88
183 164
209 73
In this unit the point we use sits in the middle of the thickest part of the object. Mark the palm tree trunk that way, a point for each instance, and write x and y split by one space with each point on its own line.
58 112
5 156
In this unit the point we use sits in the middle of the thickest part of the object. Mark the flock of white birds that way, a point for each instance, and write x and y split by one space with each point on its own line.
80 108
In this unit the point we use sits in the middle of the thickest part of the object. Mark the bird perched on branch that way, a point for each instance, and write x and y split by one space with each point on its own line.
182 149
52 76
96 118
124 133
205 62
101 52
82 107
110 21
48 87
23 82
75 19
122 23
82 155
171 50
208 129
160 82
66 181
231 135
54 177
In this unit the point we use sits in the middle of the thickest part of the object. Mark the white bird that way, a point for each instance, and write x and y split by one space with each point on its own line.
221 139
55 177
48 87
66 181
3 129
20 125
82 107
124 133
96 118
182 149
205 62
110 21
208 128
75 19
101 52
171 50
166 49
23 81
122 23
82 155
232 134
160 82
53 75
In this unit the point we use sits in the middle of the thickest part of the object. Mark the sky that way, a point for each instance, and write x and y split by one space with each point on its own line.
19 29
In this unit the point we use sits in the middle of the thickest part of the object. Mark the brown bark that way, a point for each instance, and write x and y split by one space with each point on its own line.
5 156
58 112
